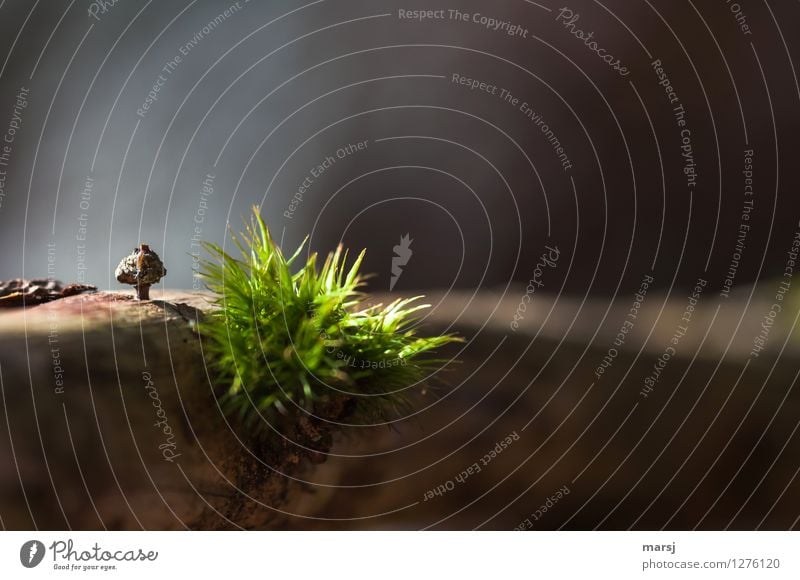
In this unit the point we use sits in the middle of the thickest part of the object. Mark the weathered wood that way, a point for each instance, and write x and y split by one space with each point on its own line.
111 421
86 454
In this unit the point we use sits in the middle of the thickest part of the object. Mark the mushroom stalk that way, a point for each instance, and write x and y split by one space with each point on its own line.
143 291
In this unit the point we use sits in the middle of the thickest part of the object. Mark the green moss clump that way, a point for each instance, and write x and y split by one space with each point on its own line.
286 338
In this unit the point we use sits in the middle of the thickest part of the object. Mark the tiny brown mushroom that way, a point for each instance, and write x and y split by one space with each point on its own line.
142 268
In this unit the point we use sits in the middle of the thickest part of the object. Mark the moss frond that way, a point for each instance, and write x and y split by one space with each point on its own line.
281 341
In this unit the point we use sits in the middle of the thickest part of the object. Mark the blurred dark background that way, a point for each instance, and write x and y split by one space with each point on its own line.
272 89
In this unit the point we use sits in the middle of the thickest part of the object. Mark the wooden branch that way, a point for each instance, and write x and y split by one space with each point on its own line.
111 421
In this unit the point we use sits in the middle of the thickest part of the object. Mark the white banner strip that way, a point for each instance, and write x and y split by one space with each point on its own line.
401 555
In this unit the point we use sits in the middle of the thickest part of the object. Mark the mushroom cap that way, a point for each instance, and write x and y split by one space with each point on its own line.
141 267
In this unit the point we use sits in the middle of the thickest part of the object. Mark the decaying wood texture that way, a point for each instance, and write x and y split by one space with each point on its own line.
89 384
111 422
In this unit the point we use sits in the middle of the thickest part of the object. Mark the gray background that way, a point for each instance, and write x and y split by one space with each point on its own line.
89 77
